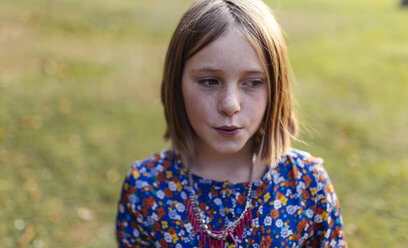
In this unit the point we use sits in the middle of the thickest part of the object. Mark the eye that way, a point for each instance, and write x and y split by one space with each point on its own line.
253 83
208 82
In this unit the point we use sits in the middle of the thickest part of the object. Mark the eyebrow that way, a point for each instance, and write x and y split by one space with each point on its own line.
209 69
205 69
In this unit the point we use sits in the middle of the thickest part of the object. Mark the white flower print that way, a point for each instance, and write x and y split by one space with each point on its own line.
134 199
268 221
328 233
277 179
141 184
180 207
285 232
191 235
149 220
329 198
302 239
299 176
318 219
309 213
173 215
188 227
222 211
172 186
154 216
279 223
301 185
319 187
160 194
136 233
255 222
277 204
121 208
167 237
319 197
260 210
291 209
217 201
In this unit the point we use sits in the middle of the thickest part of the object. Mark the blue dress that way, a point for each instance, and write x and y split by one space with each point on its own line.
293 205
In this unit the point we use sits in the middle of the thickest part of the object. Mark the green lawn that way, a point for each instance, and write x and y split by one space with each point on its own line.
79 101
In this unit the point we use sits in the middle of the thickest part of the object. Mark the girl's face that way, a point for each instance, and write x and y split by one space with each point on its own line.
225 94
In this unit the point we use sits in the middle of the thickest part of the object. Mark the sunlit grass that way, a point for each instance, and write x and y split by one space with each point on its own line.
79 101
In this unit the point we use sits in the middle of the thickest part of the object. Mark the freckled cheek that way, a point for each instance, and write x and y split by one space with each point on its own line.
258 108
198 106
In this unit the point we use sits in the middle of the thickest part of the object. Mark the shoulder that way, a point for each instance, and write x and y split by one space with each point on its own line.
145 174
157 162
302 160
303 173
300 163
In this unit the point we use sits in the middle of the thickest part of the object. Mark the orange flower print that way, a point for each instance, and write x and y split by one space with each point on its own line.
274 213
305 194
241 199
266 242
160 213
307 180
214 192
167 192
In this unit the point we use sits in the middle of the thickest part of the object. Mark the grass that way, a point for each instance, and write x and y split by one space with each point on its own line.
79 101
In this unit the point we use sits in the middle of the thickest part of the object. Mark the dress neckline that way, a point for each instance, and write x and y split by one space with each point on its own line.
267 177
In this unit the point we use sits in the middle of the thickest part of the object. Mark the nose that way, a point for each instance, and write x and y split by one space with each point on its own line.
229 101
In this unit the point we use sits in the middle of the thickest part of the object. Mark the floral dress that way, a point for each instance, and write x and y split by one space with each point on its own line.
293 205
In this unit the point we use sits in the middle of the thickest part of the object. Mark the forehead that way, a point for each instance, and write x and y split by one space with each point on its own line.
230 51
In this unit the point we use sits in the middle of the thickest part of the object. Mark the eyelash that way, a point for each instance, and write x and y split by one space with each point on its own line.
208 82
255 82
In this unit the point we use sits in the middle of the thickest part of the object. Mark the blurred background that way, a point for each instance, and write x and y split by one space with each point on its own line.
79 102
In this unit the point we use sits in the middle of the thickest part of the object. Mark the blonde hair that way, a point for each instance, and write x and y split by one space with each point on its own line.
202 23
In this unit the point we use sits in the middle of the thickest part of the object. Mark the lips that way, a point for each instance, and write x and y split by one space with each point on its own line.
228 131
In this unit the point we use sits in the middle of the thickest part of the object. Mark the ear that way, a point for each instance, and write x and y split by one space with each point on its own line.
259 135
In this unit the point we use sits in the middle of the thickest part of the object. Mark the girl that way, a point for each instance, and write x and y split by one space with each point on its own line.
230 178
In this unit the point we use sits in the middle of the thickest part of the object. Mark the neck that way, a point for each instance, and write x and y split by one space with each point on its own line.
234 168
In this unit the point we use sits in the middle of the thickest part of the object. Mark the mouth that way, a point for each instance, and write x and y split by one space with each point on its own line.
228 131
